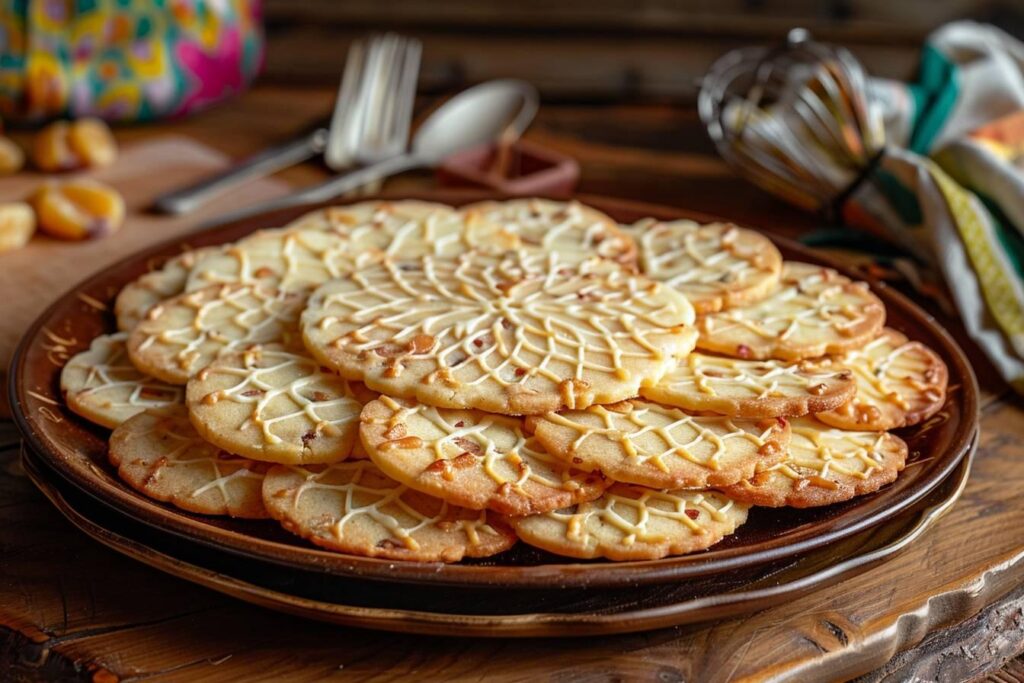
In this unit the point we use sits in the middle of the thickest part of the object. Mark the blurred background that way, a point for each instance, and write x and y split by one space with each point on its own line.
597 51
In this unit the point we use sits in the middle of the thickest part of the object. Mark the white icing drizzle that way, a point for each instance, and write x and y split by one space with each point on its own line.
282 387
569 229
507 454
809 302
104 377
317 250
385 504
721 376
217 319
173 447
137 297
831 454
701 440
223 470
890 369
633 511
499 319
702 260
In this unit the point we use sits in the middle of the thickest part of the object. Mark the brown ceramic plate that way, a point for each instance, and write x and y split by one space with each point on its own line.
76 450
458 611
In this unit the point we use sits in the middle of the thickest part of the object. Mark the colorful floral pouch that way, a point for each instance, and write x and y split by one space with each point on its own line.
124 60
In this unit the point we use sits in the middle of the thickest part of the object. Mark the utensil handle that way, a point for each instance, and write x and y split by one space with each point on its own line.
330 189
338 185
257 166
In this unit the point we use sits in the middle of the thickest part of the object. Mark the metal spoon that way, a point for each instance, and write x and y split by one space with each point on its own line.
481 114
370 122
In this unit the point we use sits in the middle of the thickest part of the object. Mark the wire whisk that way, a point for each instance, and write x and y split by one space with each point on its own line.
796 119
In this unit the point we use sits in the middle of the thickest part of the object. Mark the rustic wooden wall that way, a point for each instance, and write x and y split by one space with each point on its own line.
599 50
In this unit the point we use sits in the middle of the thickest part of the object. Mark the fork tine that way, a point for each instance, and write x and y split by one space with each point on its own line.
339 148
378 91
386 99
389 110
368 118
406 96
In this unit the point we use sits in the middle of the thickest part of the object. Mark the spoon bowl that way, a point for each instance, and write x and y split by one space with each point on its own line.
490 111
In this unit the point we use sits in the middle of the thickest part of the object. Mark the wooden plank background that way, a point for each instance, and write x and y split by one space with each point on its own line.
601 50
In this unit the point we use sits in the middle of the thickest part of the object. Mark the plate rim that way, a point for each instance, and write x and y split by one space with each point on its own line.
526 624
555 575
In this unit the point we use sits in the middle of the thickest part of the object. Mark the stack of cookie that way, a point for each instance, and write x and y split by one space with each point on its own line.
410 381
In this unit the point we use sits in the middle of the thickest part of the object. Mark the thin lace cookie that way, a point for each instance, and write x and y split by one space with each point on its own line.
274 405
635 523
353 507
825 466
299 259
813 311
139 296
344 217
103 386
184 334
753 388
899 383
641 442
718 265
518 333
472 459
290 260
574 231
160 455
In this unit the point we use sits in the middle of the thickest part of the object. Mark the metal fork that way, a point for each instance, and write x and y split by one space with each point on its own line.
370 121
380 129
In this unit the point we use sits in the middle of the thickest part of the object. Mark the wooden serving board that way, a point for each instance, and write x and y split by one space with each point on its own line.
37 274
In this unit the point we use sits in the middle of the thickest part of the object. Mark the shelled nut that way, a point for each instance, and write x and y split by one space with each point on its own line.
78 209
11 157
66 146
51 150
93 142
17 223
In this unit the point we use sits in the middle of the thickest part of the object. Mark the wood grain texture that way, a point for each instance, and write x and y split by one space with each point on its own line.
966 651
70 607
605 50
113 615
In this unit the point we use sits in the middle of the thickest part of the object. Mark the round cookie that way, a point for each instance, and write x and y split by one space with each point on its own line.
645 443
824 466
140 295
718 265
472 459
274 405
812 312
159 454
635 523
407 231
899 383
574 231
300 259
295 260
184 334
517 333
345 217
753 388
102 385
353 507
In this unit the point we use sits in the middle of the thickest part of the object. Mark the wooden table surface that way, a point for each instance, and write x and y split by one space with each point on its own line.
949 608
